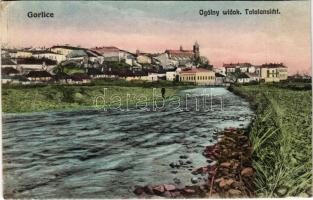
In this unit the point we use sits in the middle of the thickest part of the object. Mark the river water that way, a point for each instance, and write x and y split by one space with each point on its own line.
101 154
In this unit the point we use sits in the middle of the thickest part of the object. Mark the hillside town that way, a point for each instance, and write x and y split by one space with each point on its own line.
65 64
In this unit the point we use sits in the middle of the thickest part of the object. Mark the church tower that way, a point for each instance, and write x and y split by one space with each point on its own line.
196 50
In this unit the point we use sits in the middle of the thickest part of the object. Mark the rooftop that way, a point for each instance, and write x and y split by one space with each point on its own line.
180 52
7 61
273 65
105 49
195 70
9 70
38 74
233 65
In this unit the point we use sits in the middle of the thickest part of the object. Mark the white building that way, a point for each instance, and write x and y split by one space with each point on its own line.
50 55
171 76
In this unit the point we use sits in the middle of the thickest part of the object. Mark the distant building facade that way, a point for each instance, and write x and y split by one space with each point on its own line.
183 56
272 72
198 76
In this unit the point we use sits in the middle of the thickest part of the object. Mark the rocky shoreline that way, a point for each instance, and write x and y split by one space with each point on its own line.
229 172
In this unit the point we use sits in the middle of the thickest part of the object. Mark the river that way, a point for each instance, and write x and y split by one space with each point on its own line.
101 154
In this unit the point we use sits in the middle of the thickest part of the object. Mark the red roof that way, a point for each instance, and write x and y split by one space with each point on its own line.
195 70
272 65
106 49
233 65
180 52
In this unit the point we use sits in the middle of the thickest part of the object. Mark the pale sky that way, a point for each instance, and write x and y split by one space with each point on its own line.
156 26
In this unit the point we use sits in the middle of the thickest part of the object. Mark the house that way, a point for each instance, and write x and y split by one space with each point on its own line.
165 61
171 75
143 58
243 78
24 53
112 53
7 62
9 71
5 79
61 77
26 65
95 73
80 78
39 76
272 72
140 75
239 68
94 56
219 78
17 79
183 56
253 77
220 70
49 55
300 77
198 76
65 49
78 53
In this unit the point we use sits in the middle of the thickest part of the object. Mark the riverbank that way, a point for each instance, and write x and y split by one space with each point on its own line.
281 138
228 174
37 98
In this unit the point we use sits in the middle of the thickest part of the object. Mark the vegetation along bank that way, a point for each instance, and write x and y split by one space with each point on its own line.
281 138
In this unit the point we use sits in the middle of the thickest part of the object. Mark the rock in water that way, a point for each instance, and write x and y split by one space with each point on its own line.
139 190
194 180
148 189
169 187
159 189
177 180
183 157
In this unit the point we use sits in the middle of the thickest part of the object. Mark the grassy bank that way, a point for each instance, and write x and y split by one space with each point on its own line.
21 99
282 139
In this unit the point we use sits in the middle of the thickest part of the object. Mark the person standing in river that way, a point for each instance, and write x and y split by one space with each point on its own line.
163 93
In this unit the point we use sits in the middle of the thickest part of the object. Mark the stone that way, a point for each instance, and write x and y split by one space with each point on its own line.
139 190
237 184
177 180
175 194
194 180
148 189
230 181
281 191
218 180
159 189
225 164
234 192
167 194
189 191
169 187
248 171
225 182
183 157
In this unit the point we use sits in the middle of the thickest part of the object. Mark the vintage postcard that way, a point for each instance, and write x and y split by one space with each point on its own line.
161 99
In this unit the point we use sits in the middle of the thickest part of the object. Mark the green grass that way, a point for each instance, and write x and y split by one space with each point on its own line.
21 99
282 139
